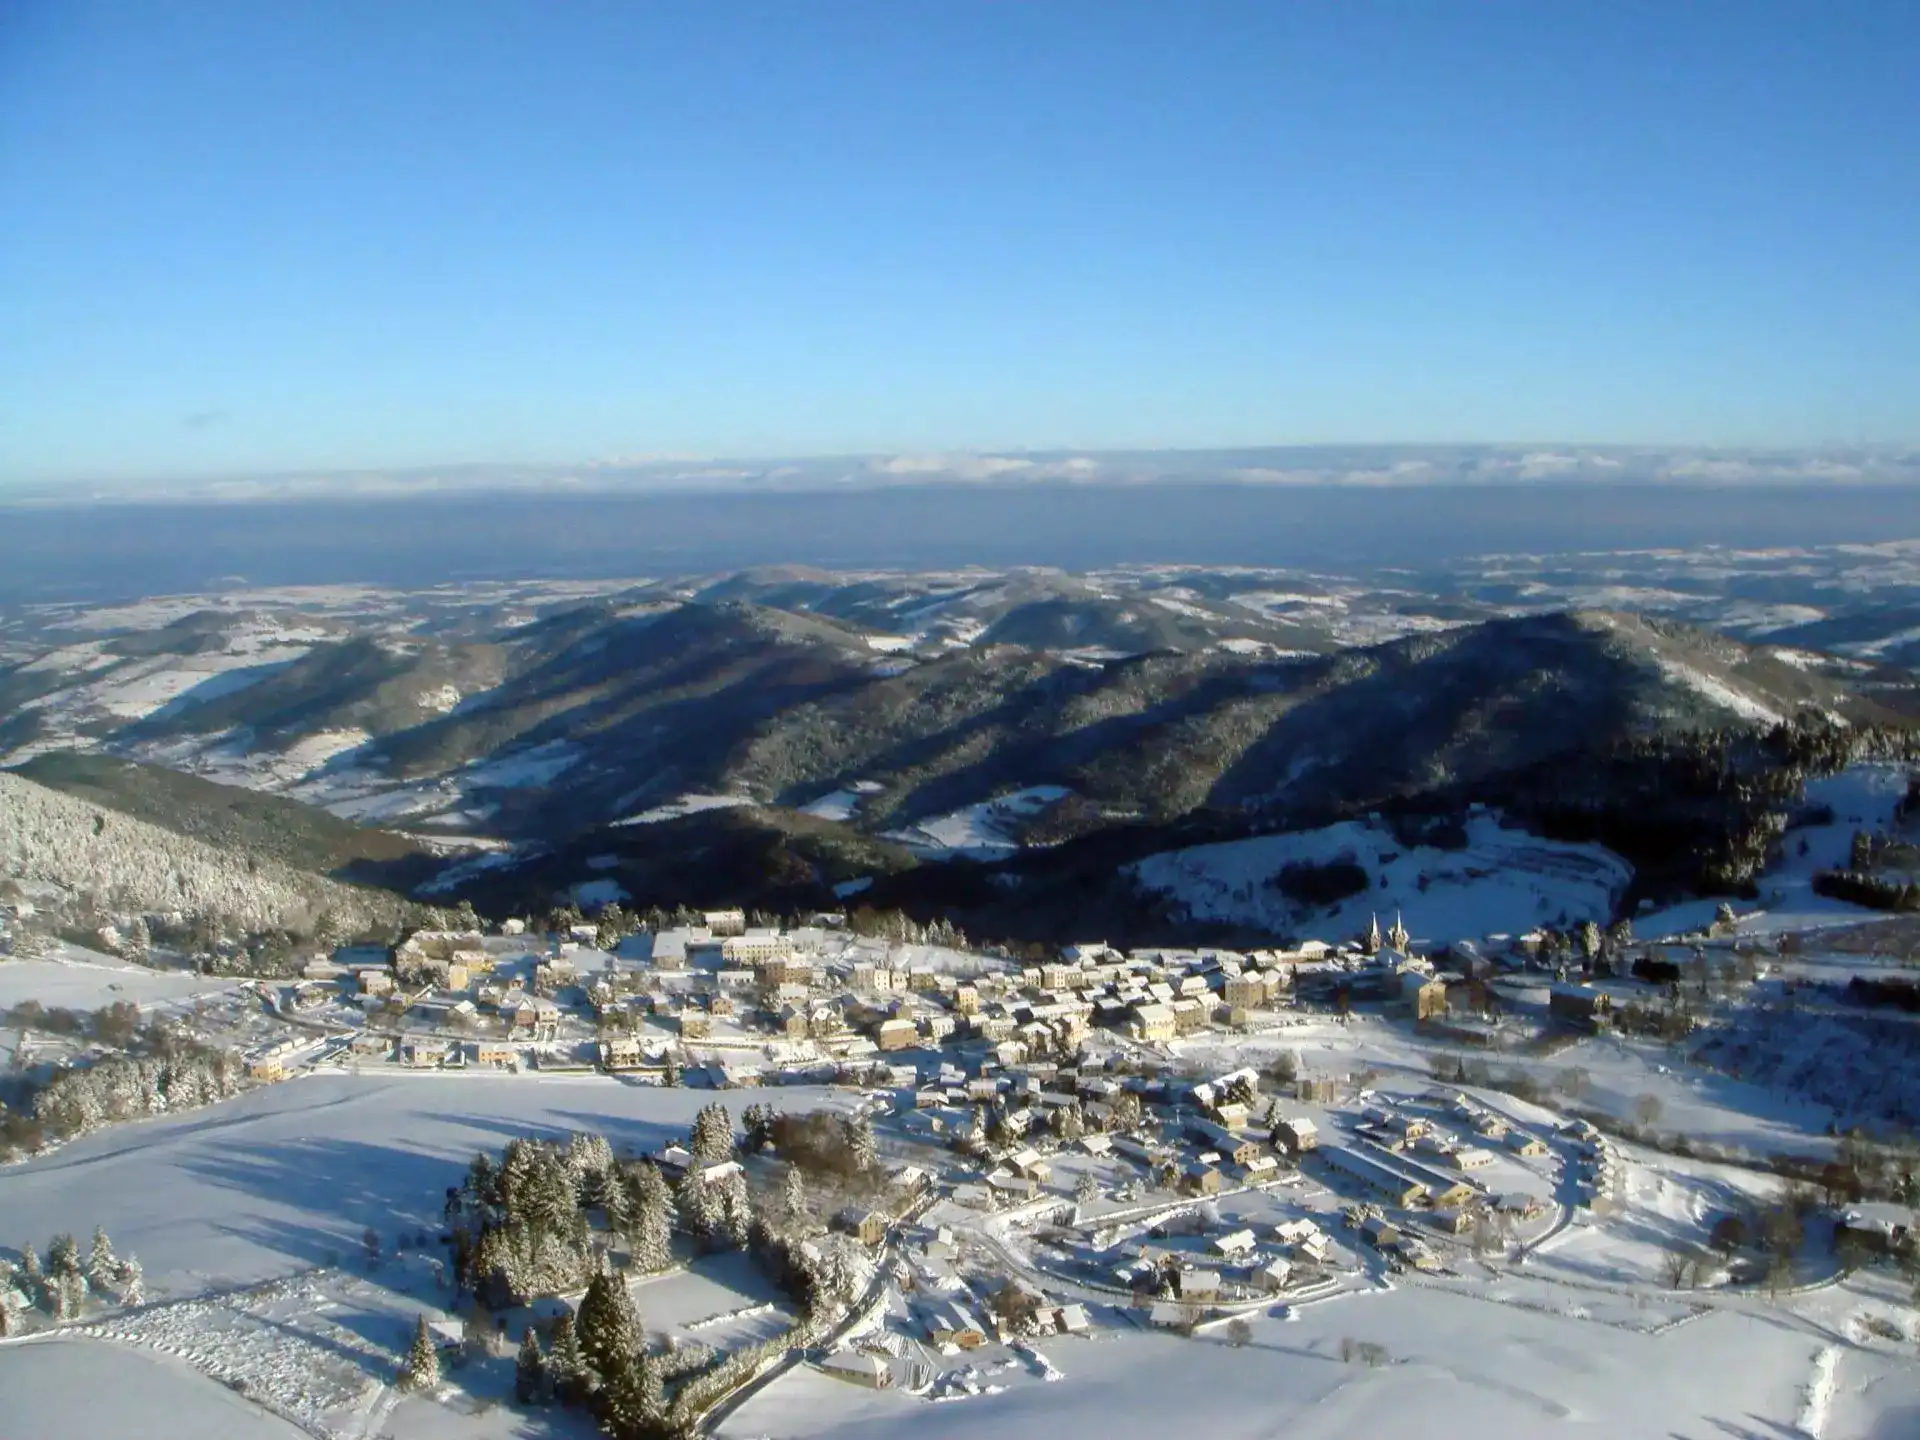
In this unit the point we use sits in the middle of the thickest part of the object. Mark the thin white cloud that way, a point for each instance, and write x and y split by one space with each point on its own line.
963 467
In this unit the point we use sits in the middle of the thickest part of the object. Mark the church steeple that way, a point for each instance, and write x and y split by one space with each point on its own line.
1373 936
1398 936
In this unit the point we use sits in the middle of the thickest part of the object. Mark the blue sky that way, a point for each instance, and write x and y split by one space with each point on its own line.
245 236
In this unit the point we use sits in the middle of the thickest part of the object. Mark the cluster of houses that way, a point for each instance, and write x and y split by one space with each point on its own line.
723 982
1597 1171
1176 1282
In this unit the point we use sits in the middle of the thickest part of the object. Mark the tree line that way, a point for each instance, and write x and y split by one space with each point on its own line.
166 1072
61 1285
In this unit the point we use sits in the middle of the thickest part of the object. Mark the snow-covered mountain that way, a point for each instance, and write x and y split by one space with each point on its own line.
969 714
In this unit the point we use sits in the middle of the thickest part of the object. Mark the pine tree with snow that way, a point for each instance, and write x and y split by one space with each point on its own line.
481 1183
650 1249
650 1188
530 1370
866 1154
421 1371
63 1256
101 1263
758 1122
130 1282
699 1205
30 1263
839 1279
793 1195
69 1290
634 1403
712 1139
590 1159
736 1212
612 926
609 1327
566 1366
11 1298
1086 1189
616 1200
1590 940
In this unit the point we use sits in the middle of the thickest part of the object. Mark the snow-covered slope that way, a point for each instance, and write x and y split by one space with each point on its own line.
978 832
55 838
1862 797
1504 879
1458 1368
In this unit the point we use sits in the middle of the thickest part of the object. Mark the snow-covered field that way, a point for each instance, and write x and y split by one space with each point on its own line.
685 805
1457 1367
1504 880
79 979
249 1218
288 1176
980 832
86 1388
1703 1105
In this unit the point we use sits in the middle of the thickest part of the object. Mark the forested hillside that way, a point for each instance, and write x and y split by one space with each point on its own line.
127 867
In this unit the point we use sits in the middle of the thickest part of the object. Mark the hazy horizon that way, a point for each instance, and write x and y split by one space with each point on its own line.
106 551
1357 465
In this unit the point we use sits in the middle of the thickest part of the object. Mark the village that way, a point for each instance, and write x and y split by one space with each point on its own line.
729 1004
1193 1143
1102 1138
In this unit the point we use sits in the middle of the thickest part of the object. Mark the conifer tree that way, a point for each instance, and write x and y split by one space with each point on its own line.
69 1294
757 1121
616 1200
481 1180
633 1405
101 1264
793 1195
712 1139
651 1249
866 1153
530 1370
63 1256
736 1212
650 1187
699 1206
130 1282
566 1366
421 1371
590 1159
609 1327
